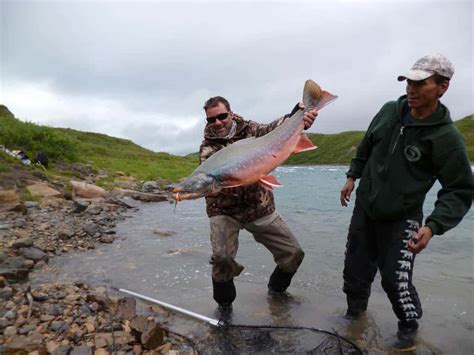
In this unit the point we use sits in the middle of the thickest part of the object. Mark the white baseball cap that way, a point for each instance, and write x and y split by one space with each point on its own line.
427 66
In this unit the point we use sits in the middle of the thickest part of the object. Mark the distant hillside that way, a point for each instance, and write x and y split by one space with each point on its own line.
67 146
99 150
340 148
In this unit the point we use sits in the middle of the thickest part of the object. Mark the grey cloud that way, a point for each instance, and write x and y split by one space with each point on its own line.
166 59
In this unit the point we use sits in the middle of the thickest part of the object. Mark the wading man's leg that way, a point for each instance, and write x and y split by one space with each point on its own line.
274 234
225 243
360 264
396 269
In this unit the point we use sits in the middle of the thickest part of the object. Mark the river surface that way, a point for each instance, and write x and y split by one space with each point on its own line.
175 269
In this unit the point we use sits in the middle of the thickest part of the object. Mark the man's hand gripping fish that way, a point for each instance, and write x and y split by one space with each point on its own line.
251 160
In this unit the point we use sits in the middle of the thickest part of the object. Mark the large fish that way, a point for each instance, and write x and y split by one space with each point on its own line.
251 160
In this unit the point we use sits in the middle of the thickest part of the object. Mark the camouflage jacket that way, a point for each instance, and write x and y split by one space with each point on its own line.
245 203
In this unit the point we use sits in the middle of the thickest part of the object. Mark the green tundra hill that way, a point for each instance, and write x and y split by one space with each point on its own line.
68 146
339 148
101 152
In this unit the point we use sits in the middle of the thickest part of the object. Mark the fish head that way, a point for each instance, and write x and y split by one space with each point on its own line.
195 186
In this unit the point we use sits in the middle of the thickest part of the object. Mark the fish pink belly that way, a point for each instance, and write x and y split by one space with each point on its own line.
253 170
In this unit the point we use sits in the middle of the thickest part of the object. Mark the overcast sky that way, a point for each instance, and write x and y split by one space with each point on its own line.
142 70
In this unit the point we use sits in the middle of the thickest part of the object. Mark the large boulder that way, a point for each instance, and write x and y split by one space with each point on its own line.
10 201
42 189
137 195
82 189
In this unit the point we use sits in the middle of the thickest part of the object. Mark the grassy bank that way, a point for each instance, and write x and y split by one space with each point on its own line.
102 152
96 150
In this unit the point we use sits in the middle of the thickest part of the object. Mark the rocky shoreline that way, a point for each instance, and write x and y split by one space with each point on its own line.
71 318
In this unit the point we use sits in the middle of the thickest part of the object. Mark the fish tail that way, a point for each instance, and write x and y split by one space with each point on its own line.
314 97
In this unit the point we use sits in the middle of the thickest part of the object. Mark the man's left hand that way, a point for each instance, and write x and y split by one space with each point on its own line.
420 240
309 116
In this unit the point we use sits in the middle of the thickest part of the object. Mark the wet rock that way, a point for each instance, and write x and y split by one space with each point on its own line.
153 336
26 329
62 350
31 204
59 326
91 228
82 350
126 308
39 296
107 239
151 186
46 317
4 322
10 331
139 323
54 309
13 269
163 232
80 205
34 254
94 210
138 195
6 293
29 343
65 233
21 243
10 315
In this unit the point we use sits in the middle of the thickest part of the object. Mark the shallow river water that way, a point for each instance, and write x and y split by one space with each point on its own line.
175 270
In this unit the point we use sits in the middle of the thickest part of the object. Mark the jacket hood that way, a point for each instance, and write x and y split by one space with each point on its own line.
440 117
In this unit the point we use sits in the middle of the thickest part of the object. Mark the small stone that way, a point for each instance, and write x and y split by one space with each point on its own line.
10 314
82 350
62 350
163 232
10 331
26 329
21 243
6 293
107 239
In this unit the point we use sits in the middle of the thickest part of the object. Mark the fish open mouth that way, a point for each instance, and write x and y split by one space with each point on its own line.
182 195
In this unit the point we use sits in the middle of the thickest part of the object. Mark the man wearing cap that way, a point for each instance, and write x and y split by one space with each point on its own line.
409 144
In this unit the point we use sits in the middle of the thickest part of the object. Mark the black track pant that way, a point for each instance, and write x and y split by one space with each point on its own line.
372 244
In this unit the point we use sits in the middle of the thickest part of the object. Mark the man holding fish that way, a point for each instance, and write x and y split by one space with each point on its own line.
410 144
249 207
237 157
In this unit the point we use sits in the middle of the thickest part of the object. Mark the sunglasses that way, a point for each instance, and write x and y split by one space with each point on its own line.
221 117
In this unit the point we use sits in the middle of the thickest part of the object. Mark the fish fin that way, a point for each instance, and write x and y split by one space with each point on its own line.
270 181
304 144
325 99
314 97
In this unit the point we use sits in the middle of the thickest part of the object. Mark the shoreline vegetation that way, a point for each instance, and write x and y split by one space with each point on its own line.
67 149
71 202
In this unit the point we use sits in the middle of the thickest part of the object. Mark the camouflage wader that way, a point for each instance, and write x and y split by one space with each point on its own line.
271 231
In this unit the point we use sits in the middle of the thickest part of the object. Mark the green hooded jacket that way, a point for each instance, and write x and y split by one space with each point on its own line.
399 164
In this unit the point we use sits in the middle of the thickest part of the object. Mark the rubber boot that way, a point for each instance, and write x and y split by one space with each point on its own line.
279 280
355 307
406 336
224 294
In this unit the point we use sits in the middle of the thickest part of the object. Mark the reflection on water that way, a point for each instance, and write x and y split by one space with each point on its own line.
175 269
